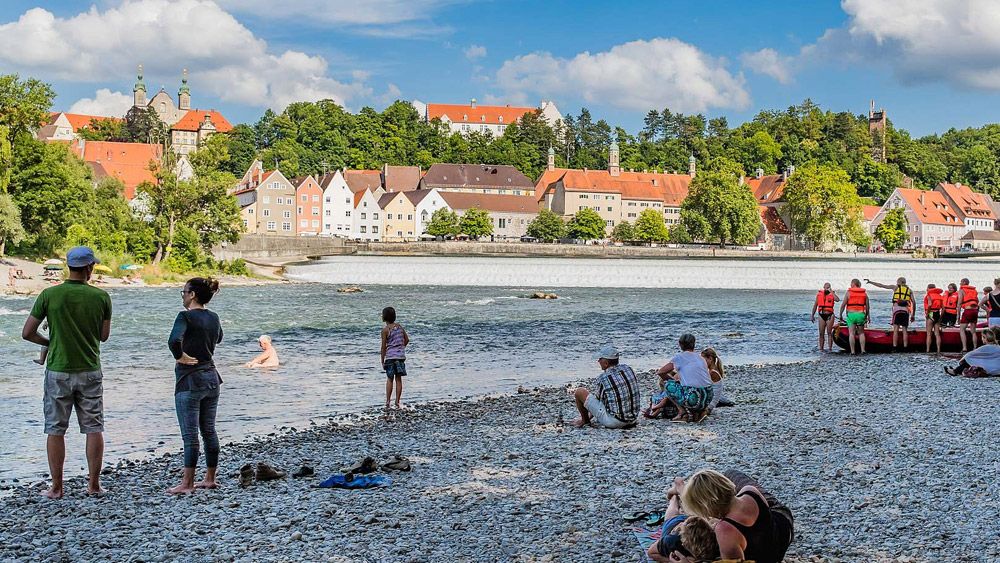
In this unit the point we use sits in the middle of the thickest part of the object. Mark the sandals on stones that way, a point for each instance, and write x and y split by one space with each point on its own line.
267 473
366 465
397 463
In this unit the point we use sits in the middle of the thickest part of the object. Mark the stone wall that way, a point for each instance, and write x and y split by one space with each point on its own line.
253 246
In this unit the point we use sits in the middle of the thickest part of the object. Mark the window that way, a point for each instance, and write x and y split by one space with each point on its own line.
374 229
610 223
346 200
245 223
287 227
631 204
315 210
584 196
631 214
364 229
250 210
286 214
348 213
374 216
275 186
609 197
409 217
363 215
502 223
267 199
423 215
315 223
465 128
502 128
328 213
303 224
280 201
364 204
271 225
609 209
327 227
315 198
330 199
305 197
299 211
267 213
484 128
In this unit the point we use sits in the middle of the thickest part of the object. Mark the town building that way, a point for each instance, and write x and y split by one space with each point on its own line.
267 201
400 178
981 241
129 163
931 219
398 212
510 214
187 127
476 118
477 178
425 203
870 212
338 204
616 195
774 233
973 208
366 219
308 206
769 191
63 126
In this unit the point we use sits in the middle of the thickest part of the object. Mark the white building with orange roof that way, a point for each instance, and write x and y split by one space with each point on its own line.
366 219
476 118
931 219
63 126
338 205
188 127
975 209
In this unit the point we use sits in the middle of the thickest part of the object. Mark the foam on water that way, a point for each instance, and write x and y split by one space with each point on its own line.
18 312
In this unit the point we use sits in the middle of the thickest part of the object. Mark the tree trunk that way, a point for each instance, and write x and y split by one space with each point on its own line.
3 246
159 253
170 238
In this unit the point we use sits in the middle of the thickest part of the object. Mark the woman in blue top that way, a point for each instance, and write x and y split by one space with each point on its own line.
196 389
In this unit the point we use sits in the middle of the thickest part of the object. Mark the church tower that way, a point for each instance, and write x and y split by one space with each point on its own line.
876 128
552 159
139 91
184 94
692 164
613 160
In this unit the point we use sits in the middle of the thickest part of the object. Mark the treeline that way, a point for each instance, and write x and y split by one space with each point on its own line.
313 137
49 200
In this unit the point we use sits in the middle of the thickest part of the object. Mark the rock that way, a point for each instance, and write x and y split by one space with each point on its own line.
296 536
350 289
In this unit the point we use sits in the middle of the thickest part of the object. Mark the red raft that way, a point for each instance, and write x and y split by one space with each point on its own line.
880 339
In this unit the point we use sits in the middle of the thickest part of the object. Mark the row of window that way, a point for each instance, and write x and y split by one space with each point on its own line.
280 201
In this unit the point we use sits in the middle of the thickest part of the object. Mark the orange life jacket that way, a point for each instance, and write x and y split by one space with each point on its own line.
970 297
824 302
933 300
856 297
951 302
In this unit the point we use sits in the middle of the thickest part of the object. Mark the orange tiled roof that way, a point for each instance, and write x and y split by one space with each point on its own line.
930 207
361 180
79 120
671 189
193 119
969 203
547 178
767 189
465 113
870 211
772 221
496 203
129 162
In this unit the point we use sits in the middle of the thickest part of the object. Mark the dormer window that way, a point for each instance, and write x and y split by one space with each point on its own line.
483 119
500 119
465 117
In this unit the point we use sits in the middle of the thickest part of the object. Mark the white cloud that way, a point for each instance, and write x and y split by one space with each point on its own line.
638 75
391 94
385 18
225 58
474 52
105 102
770 63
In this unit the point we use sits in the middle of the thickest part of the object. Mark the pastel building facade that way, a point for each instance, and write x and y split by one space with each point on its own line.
398 214
63 126
476 118
187 126
477 178
510 214
267 201
308 206
338 205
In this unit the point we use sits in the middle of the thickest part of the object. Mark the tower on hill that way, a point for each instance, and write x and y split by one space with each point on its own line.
876 128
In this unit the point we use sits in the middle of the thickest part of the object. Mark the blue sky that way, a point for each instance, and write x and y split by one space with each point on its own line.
932 66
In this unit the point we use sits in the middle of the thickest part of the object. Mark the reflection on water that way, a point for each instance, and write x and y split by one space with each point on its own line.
465 341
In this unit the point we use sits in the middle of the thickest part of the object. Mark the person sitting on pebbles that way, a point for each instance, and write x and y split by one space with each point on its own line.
266 359
615 400
687 383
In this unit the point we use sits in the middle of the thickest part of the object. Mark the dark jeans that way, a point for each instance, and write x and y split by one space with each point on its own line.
196 412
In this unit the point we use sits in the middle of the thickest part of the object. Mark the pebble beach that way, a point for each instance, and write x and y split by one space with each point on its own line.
881 458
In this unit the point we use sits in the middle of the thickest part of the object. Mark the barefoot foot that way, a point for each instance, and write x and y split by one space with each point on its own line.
53 494
578 423
95 491
39 362
206 485
181 489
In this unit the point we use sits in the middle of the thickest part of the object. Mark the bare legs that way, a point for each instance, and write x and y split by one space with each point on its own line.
580 396
933 330
55 447
388 390
971 328
856 331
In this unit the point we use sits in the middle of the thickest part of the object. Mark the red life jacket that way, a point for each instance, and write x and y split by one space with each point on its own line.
856 297
951 303
824 302
970 297
933 300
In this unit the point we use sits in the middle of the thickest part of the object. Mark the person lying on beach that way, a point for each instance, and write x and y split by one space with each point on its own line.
266 359
750 523
687 383
615 400
683 538
982 361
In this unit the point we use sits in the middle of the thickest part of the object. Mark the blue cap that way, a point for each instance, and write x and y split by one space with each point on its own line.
81 256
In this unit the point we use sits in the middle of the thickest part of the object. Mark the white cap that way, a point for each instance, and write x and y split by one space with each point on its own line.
607 352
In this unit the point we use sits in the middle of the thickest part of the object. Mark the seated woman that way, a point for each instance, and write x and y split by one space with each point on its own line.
687 384
683 537
982 361
751 524
266 359
716 372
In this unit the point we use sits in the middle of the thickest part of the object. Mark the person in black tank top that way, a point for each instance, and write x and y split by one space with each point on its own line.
991 303
725 497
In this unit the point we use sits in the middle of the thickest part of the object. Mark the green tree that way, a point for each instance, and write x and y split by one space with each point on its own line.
978 168
143 125
759 150
6 158
623 232
650 226
476 223
586 225
547 226
11 230
892 232
103 130
24 105
719 208
679 234
876 180
443 223
824 206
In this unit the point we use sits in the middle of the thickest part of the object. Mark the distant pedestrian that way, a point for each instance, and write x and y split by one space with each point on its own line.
79 317
614 402
196 388
393 355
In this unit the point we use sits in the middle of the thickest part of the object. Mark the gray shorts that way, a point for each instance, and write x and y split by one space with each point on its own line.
64 391
600 415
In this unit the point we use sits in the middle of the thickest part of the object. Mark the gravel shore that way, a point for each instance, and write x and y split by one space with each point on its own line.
879 458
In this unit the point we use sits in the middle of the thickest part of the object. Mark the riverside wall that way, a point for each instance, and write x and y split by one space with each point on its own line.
256 247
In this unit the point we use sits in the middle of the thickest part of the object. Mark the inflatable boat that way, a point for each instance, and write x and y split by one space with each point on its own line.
880 339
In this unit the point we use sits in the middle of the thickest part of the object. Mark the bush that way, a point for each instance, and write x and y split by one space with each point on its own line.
236 267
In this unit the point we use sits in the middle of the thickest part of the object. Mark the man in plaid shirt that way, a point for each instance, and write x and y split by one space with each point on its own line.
615 400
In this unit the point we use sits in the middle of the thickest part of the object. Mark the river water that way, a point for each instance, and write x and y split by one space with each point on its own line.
473 332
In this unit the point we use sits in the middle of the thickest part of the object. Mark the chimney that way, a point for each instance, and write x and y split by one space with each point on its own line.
655 182
473 103
922 199
958 184
759 172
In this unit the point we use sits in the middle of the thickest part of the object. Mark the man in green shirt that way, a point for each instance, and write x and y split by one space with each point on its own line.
79 317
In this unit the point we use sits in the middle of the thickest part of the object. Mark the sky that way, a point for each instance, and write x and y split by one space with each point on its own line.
932 64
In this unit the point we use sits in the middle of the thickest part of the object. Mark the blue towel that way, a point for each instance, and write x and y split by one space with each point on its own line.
360 482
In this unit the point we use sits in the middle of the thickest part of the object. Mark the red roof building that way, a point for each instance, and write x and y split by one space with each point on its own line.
128 162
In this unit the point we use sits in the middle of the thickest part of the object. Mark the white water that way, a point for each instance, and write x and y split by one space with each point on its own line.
542 273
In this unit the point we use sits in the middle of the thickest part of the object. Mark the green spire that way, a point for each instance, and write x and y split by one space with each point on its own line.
184 83
139 84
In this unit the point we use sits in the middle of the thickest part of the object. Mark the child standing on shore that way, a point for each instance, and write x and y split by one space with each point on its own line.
394 342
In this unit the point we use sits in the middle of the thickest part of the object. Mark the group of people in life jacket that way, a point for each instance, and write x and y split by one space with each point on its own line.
957 305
